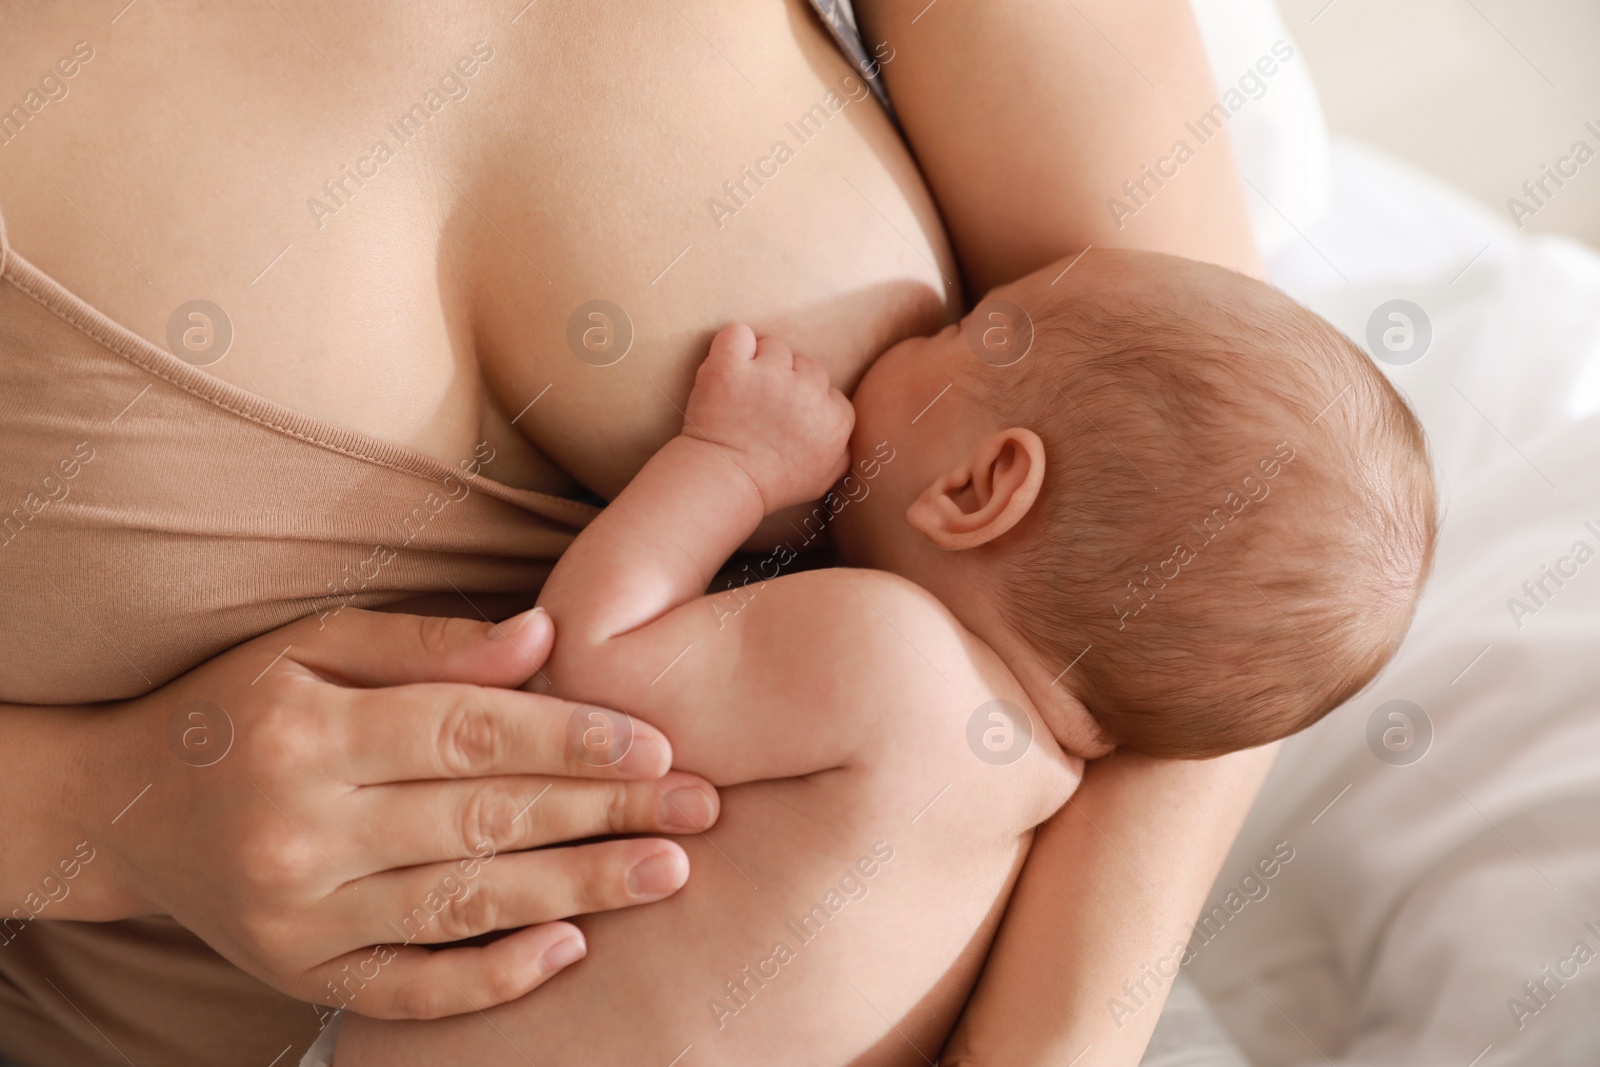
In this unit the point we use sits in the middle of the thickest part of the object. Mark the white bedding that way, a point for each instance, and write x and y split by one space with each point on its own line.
1424 898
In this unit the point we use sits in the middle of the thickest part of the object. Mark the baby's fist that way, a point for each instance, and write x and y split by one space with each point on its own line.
774 414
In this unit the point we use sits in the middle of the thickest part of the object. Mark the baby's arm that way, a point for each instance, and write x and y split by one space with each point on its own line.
762 430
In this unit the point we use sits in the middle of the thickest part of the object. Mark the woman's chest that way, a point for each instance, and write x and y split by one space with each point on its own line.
513 226
680 168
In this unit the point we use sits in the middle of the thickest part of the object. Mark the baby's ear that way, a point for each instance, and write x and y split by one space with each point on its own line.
985 494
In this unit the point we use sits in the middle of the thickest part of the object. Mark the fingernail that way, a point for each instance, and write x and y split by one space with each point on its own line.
686 809
563 953
648 754
657 876
514 625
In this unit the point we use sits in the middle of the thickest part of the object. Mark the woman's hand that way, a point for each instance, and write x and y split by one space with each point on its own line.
317 804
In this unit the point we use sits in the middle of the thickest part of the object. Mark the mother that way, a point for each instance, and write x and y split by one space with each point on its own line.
394 218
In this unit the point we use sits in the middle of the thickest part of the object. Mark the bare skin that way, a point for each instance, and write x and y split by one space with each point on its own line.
432 307
834 700
842 907
418 312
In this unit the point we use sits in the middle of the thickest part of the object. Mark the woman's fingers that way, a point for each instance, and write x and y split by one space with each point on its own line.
444 902
318 786
429 731
390 981
376 648
431 822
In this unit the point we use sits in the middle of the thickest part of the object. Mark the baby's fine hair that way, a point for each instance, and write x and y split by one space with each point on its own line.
1238 510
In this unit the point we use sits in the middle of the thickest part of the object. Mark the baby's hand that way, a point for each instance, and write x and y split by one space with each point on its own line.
773 414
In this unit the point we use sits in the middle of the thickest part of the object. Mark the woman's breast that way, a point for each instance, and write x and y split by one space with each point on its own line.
653 172
431 218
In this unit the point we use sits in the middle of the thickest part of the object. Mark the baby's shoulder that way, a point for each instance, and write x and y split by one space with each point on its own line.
858 597
870 618
893 662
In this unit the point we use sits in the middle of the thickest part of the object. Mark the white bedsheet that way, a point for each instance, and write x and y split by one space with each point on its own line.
1420 902
1422 897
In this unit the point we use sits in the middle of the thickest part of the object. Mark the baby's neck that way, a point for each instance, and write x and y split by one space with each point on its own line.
1047 685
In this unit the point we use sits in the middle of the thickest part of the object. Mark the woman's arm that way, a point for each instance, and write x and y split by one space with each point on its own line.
1027 118
52 835
1113 884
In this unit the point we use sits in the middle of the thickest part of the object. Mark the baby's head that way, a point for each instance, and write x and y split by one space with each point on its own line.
1161 491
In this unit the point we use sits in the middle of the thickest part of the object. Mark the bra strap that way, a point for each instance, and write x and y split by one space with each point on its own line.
838 16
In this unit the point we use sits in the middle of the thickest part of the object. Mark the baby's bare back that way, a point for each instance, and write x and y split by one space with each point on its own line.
835 916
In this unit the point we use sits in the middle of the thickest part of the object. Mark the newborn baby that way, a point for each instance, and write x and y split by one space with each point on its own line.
1192 516
1140 502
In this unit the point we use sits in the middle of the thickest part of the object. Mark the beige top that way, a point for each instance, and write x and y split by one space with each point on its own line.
152 516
